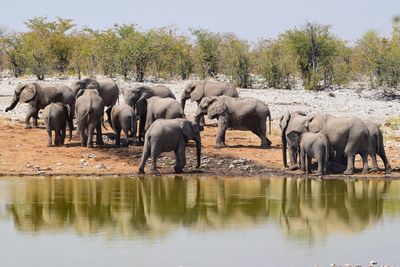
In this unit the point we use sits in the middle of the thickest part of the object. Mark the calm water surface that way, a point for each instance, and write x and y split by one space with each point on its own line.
194 222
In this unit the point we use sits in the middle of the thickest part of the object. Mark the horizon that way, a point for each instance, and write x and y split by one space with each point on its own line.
349 23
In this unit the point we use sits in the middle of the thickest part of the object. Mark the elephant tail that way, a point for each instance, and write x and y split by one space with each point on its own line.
269 120
133 125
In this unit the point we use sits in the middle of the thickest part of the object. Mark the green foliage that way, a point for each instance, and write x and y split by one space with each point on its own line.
273 60
206 52
235 59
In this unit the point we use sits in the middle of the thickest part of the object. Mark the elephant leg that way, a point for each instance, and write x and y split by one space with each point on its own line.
142 121
99 135
154 156
180 157
90 133
261 132
31 113
302 160
108 112
382 155
83 135
309 164
35 119
145 156
49 137
117 137
364 157
374 161
293 151
220 138
320 159
126 133
63 133
350 164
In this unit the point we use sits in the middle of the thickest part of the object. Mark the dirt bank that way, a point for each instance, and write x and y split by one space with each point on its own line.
24 152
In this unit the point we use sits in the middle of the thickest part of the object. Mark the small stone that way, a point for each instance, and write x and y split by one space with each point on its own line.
91 156
373 262
59 164
100 166
231 166
332 265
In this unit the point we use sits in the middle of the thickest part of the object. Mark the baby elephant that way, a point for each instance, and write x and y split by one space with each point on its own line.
123 117
56 116
166 135
312 145
89 115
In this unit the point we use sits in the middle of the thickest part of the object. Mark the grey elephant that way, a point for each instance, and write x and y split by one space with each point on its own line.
123 118
311 145
89 115
166 135
376 146
56 116
348 136
135 94
107 88
195 91
291 121
158 108
38 96
248 114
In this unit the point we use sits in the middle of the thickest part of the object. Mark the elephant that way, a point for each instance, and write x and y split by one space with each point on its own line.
38 96
166 135
376 146
107 88
348 136
89 114
312 145
248 114
291 121
135 94
123 117
56 116
195 91
158 108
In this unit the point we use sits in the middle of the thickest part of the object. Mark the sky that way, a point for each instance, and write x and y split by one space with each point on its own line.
249 19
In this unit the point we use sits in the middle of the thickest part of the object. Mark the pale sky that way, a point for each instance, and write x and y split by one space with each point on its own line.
249 19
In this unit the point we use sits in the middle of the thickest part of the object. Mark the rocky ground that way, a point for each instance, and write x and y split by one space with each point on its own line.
25 152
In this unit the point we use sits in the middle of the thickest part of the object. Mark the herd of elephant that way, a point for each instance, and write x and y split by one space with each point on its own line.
163 127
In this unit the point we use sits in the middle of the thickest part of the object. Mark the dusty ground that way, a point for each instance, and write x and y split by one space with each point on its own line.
25 152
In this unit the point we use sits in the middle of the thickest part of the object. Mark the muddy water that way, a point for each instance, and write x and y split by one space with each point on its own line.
178 221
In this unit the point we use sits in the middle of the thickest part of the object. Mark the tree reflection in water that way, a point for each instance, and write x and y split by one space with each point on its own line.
304 209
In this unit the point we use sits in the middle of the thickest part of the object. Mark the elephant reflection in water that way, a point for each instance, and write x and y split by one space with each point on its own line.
307 209
312 209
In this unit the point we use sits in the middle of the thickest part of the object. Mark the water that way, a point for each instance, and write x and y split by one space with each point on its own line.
174 221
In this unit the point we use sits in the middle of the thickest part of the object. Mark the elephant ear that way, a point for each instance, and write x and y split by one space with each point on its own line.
315 123
197 93
28 93
294 137
216 108
80 92
141 106
187 128
284 121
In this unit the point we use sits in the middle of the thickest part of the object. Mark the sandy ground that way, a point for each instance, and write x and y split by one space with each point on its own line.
24 151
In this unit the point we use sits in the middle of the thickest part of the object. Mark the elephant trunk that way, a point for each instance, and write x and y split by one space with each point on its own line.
284 147
198 153
183 102
13 103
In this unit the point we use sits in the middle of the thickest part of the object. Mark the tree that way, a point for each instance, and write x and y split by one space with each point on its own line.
235 59
273 60
314 47
206 52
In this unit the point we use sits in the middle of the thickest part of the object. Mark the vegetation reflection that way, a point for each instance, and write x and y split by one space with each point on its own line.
304 209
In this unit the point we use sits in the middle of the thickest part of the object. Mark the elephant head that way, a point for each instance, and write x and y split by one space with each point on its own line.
203 106
191 130
316 123
135 94
87 83
24 93
192 91
295 138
